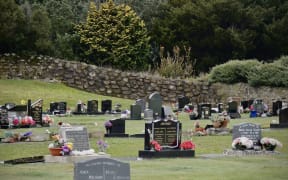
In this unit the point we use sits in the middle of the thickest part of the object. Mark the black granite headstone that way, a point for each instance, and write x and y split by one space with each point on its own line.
92 107
182 101
283 116
248 130
204 110
117 129
78 136
4 123
220 107
58 107
36 111
276 107
166 133
101 169
233 110
106 106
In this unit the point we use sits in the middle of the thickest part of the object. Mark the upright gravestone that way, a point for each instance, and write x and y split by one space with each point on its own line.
245 104
258 106
155 103
148 114
77 135
204 110
248 130
106 106
182 101
62 107
168 113
117 129
142 104
276 107
135 112
36 111
233 110
4 122
101 169
220 107
92 107
283 119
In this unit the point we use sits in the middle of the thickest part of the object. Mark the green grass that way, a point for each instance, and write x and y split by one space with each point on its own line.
250 167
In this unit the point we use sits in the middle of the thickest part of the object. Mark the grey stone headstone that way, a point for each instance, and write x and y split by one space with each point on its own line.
142 103
155 103
102 169
168 111
135 112
78 135
148 114
92 107
249 130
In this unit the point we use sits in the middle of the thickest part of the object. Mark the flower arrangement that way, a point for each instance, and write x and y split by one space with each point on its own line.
242 143
187 145
155 145
47 120
65 148
270 144
102 145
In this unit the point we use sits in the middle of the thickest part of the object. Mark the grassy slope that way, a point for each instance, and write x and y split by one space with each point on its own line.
263 167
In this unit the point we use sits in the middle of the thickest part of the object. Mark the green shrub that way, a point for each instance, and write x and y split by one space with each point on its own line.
282 61
233 71
269 75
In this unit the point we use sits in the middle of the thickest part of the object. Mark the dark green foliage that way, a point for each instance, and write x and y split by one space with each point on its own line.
115 36
269 75
233 71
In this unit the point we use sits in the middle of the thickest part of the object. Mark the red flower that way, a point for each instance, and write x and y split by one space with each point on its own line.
187 145
156 145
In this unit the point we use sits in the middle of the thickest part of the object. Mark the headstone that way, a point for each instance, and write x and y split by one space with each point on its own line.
155 103
58 107
167 111
142 103
101 169
258 106
182 101
245 104
36 111
4 122
166 133
78 135
233 109
276 107
92 107
248 130
117 129
204 110
283 116
62 107
135 112
148 114
106 106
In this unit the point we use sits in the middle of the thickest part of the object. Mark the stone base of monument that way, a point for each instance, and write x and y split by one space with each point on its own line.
116 135
166 153
72 159
279 125
232 152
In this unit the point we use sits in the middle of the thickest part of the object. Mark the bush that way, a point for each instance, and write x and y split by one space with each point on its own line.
269 75
233 71
283 61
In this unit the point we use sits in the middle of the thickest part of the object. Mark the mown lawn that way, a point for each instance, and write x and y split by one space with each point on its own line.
126 149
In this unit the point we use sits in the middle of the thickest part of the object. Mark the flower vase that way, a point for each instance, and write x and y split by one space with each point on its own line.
55 151
269 147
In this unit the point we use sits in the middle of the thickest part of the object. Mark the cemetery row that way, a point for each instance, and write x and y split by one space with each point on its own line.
32 114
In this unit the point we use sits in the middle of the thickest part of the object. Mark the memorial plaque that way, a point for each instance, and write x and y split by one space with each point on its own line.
36 111
167 133
78 135
249 130
102 169
155 103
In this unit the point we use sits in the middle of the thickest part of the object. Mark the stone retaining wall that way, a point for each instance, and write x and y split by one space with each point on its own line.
131 85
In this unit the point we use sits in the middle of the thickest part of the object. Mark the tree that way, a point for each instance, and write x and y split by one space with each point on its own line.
115 36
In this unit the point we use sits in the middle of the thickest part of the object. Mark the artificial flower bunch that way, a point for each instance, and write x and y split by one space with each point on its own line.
242 143
102 145
66 147
155 145
270 143
187 145
48 120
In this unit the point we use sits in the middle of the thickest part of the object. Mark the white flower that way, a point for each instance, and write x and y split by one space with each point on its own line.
272 141
243 141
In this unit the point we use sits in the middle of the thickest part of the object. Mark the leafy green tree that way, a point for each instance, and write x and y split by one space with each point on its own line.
115 36
11 26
